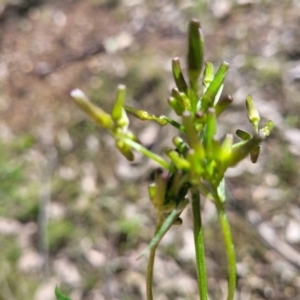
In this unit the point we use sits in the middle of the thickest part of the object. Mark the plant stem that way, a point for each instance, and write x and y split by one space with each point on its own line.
149 279
225 226
199 245
138 147
150 267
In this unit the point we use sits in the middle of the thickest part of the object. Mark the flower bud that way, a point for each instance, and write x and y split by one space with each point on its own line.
209 96
100 117
152 190
267 128
253 114
195 52
179 162
208 75
173 103
180 145
223 104
178 76
118 108
124 149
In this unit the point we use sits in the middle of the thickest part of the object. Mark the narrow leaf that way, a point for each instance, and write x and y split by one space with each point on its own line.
59 295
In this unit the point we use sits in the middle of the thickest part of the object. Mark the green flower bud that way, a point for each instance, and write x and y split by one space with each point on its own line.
117 110
144 116
267 128
178 76
124 149
100 117
152 190
243 135
180 145
253 114
179 162
195 52
138 113
173 103
209 96
208 75
183 101
223 104
254 154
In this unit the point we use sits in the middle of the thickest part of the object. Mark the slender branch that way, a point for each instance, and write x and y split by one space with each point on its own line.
199 245
175 124
148 153
231 261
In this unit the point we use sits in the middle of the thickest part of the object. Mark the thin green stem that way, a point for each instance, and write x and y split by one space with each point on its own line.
150 267
148 153
225 226
199 245
175 124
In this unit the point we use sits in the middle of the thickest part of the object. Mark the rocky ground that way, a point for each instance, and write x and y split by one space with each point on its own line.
99 215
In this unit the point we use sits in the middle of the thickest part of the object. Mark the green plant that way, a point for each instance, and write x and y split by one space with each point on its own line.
197 162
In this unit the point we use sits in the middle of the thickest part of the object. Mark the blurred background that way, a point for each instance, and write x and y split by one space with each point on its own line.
74 213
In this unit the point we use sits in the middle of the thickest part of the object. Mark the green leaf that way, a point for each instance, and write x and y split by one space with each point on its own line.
60 296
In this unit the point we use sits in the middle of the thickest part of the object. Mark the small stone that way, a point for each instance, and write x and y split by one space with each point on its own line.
30 261
293 232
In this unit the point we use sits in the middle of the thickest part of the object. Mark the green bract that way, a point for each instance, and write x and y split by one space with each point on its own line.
198 161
